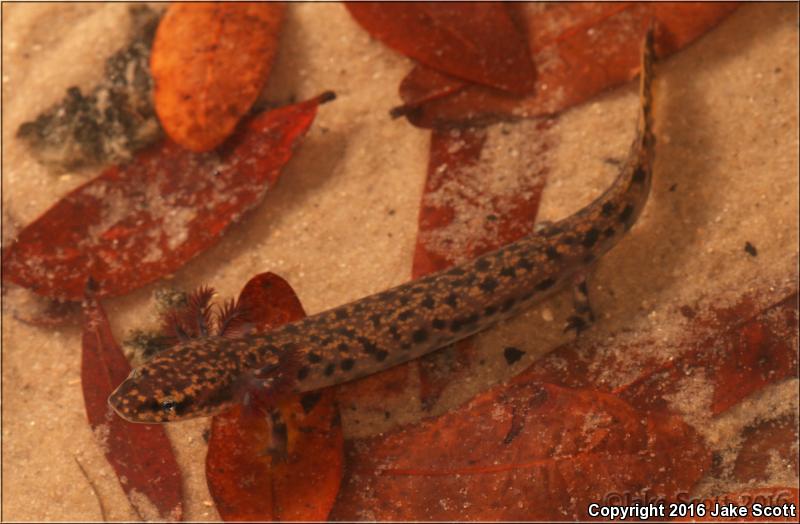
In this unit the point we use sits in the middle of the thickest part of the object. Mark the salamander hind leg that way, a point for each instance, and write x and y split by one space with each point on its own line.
583 317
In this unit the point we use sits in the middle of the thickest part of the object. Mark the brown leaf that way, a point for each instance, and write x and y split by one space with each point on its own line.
140 454
209 62
520 452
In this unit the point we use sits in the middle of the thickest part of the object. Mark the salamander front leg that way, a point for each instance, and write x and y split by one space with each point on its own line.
583 317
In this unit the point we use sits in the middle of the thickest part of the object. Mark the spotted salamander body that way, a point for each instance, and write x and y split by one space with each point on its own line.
204 376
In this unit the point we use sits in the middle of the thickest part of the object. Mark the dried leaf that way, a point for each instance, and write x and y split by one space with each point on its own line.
250 475
138 222
458 38
209 62
578 49
140 454
520 452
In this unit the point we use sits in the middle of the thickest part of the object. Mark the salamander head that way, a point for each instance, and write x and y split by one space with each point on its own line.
194 379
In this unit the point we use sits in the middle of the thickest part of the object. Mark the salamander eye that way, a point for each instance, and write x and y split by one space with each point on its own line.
168 406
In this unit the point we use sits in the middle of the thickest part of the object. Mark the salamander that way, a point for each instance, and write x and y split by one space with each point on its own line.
203 376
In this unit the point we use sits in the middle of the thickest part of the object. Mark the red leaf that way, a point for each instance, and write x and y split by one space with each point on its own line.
740 350
513 451
578 49
140 454
209 63
138 222
764 443
247 477
458 38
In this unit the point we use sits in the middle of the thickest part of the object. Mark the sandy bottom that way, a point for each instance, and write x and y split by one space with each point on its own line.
342 222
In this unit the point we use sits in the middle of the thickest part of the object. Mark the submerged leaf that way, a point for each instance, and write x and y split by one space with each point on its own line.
578 49
210 61
140 454
525 451
269 461
459 38
141 221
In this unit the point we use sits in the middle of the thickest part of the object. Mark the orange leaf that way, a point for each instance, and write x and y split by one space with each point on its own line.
209 62
578 50
459 38
513 451
249 476
140 454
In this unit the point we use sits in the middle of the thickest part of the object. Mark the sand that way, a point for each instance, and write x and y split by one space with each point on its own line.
342 224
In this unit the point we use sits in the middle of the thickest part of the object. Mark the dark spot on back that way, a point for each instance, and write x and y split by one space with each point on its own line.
490 310
368 345
375 319
456 271
347 332
488 285
347 364
482 264
329 369
590 238
314 358
512 354
608 209
302 373
626 214
524 263
393 332
639 174
428 302
419 336
508 304
471 319
343 347
341 314
508 271
552 253
609 232
451 300
582 287
381 355
545 284
309 400
438 323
